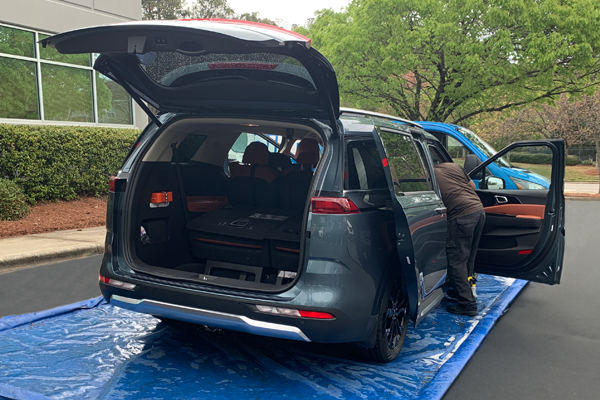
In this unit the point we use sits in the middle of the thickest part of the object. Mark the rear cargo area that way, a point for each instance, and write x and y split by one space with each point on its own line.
226 207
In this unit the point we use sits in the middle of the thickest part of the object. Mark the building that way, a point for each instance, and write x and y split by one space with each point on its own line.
42 86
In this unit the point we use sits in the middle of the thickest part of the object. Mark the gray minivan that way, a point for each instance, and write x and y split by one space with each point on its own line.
251 202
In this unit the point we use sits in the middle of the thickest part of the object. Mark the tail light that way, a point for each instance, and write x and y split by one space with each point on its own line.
116 283
290 312
334 205
115 184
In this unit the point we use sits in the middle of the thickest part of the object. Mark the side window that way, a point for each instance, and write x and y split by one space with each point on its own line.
436 158
363 168
188 147
457 151
425 164
529 168
236 153
406 165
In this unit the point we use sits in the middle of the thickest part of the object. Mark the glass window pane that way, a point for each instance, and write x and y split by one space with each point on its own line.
114 104
67 94
49 53
18 89
17 42
405 164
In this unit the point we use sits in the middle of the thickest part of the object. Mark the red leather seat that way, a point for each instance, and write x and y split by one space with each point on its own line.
253 183
296 182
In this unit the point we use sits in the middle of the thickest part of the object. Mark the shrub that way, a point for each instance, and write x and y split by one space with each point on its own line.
539 158
62 162
588 163
573 160
13 204
531 158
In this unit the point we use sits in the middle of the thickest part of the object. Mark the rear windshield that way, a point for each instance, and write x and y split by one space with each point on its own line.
172 69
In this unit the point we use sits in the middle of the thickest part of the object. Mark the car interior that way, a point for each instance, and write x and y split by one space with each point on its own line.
245 185
514 221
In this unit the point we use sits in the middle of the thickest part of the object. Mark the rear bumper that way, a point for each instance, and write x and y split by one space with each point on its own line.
208 317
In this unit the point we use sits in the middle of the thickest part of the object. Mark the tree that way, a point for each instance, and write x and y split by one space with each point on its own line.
254 17
162 9
450 60
210 9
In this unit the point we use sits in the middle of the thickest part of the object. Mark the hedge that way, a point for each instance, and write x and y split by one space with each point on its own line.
13 204
538 158
62 162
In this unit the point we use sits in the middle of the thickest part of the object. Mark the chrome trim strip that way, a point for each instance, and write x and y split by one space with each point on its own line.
208 317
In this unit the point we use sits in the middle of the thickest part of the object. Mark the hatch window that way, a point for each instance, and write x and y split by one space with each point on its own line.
172 69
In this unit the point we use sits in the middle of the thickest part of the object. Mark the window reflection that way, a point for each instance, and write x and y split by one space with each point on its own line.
18 89
67 93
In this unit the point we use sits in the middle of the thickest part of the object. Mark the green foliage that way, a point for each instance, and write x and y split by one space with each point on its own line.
588 162
254 17
62 162
210 9
13 204
449 60
162 9
573 160
538 158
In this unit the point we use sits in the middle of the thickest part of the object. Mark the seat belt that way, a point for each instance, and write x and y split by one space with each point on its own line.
186 212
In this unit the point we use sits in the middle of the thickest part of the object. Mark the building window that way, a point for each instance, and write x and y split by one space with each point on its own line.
41 84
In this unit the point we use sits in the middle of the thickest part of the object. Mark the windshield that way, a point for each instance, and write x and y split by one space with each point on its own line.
485 148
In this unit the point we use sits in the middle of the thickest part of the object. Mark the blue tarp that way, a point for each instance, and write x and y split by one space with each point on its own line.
92 350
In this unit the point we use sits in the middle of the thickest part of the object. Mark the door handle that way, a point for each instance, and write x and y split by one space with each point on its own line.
441 210
501 199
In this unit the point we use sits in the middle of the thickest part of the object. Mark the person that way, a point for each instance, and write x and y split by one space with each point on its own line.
466 218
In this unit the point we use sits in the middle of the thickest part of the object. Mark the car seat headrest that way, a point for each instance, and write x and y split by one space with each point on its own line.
256 154
307 152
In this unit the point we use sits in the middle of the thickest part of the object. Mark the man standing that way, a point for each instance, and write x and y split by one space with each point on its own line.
465 225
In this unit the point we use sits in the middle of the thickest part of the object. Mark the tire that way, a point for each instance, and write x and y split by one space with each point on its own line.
392 324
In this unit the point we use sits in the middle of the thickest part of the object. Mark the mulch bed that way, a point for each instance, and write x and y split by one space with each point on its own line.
87 212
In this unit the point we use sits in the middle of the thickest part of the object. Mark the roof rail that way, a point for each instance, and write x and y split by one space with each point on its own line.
356 111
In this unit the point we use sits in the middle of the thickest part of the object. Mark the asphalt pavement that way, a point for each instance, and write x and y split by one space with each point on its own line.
547 346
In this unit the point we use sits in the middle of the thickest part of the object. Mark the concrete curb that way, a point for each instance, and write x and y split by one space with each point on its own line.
22 261
583 198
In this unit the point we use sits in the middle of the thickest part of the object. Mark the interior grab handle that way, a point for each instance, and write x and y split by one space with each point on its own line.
501 199
441 210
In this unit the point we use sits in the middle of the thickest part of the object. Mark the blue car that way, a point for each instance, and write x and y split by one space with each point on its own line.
458 139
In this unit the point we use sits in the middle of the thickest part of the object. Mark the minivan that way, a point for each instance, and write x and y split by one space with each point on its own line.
249 203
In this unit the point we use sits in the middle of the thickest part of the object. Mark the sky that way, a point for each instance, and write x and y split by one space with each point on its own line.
291 12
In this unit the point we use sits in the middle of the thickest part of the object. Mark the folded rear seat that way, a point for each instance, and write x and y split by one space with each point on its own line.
236 240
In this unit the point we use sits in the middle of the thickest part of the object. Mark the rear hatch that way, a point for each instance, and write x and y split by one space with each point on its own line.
211 66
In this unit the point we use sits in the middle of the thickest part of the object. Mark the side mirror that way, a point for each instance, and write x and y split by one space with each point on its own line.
471 162
493 183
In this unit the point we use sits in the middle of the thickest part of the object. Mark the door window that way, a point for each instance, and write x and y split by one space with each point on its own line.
457 151
529 168
406 165
363 167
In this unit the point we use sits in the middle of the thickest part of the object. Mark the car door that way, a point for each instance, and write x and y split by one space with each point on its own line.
524 233
420 218
207 66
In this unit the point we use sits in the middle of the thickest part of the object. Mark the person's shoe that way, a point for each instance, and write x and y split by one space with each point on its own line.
460 309
452 293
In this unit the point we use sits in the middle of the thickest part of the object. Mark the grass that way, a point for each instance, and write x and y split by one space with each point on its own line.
575 173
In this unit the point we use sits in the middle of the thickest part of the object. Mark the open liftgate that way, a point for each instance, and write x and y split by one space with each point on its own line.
91 350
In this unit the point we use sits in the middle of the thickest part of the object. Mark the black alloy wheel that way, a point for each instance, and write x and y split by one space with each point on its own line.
392 323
